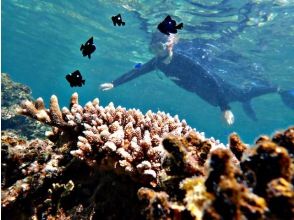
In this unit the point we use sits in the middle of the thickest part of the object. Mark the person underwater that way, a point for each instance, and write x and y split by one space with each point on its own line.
181 61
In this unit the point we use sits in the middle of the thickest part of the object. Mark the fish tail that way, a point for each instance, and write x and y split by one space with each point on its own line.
287 97
179 26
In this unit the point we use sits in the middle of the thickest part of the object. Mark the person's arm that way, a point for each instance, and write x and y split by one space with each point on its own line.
134 73
223 103
225 108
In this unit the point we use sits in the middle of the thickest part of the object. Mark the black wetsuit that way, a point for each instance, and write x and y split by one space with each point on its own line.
189 70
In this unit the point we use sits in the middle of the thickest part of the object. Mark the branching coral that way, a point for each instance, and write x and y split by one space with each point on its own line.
109 162
112 138
25 167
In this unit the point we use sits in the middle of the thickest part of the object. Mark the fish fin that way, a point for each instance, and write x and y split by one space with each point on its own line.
247 107
168 18
90 41
113 20
287 97
82 47
180 26
89 55
83 81
123 23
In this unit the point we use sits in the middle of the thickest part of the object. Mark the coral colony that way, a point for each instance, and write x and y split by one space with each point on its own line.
113 163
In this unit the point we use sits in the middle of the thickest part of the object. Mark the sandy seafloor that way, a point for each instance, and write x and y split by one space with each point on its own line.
41 41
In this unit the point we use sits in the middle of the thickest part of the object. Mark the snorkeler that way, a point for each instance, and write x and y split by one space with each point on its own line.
88 48
191 67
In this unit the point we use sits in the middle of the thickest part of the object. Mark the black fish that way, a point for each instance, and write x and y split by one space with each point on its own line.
75 79
117 20
169 26
88 48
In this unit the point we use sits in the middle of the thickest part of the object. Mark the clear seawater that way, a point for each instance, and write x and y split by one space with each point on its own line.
41 41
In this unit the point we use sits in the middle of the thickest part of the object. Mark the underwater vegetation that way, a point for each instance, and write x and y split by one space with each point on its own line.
113 163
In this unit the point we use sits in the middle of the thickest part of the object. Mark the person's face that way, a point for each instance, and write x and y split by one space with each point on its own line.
158 49
158 44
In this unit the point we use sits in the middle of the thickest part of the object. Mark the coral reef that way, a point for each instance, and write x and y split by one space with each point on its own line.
12 94
124 141
112 163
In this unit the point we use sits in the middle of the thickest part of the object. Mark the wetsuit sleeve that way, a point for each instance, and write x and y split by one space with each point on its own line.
146 68
221 95
223 103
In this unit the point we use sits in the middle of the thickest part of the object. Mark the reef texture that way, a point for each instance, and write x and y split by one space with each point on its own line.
112 163
12 94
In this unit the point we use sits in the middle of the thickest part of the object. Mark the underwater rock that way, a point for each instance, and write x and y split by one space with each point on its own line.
12 94
113 163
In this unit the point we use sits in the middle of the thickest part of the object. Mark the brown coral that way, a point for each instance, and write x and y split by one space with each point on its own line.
266 162
25 166
112 138
107 158
158 204
236 145
233 200
280 196
188 153
285 139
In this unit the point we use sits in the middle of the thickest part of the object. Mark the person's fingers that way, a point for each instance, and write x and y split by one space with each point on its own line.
229 117
106 86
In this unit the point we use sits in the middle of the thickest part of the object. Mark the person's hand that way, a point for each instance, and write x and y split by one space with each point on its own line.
106 86
229 117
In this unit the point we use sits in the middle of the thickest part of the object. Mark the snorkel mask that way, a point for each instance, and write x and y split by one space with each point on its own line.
158 44
161 45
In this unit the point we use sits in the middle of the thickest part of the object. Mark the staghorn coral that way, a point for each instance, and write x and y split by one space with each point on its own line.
113 163
125 141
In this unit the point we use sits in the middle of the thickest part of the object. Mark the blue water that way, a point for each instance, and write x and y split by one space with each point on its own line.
41 41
